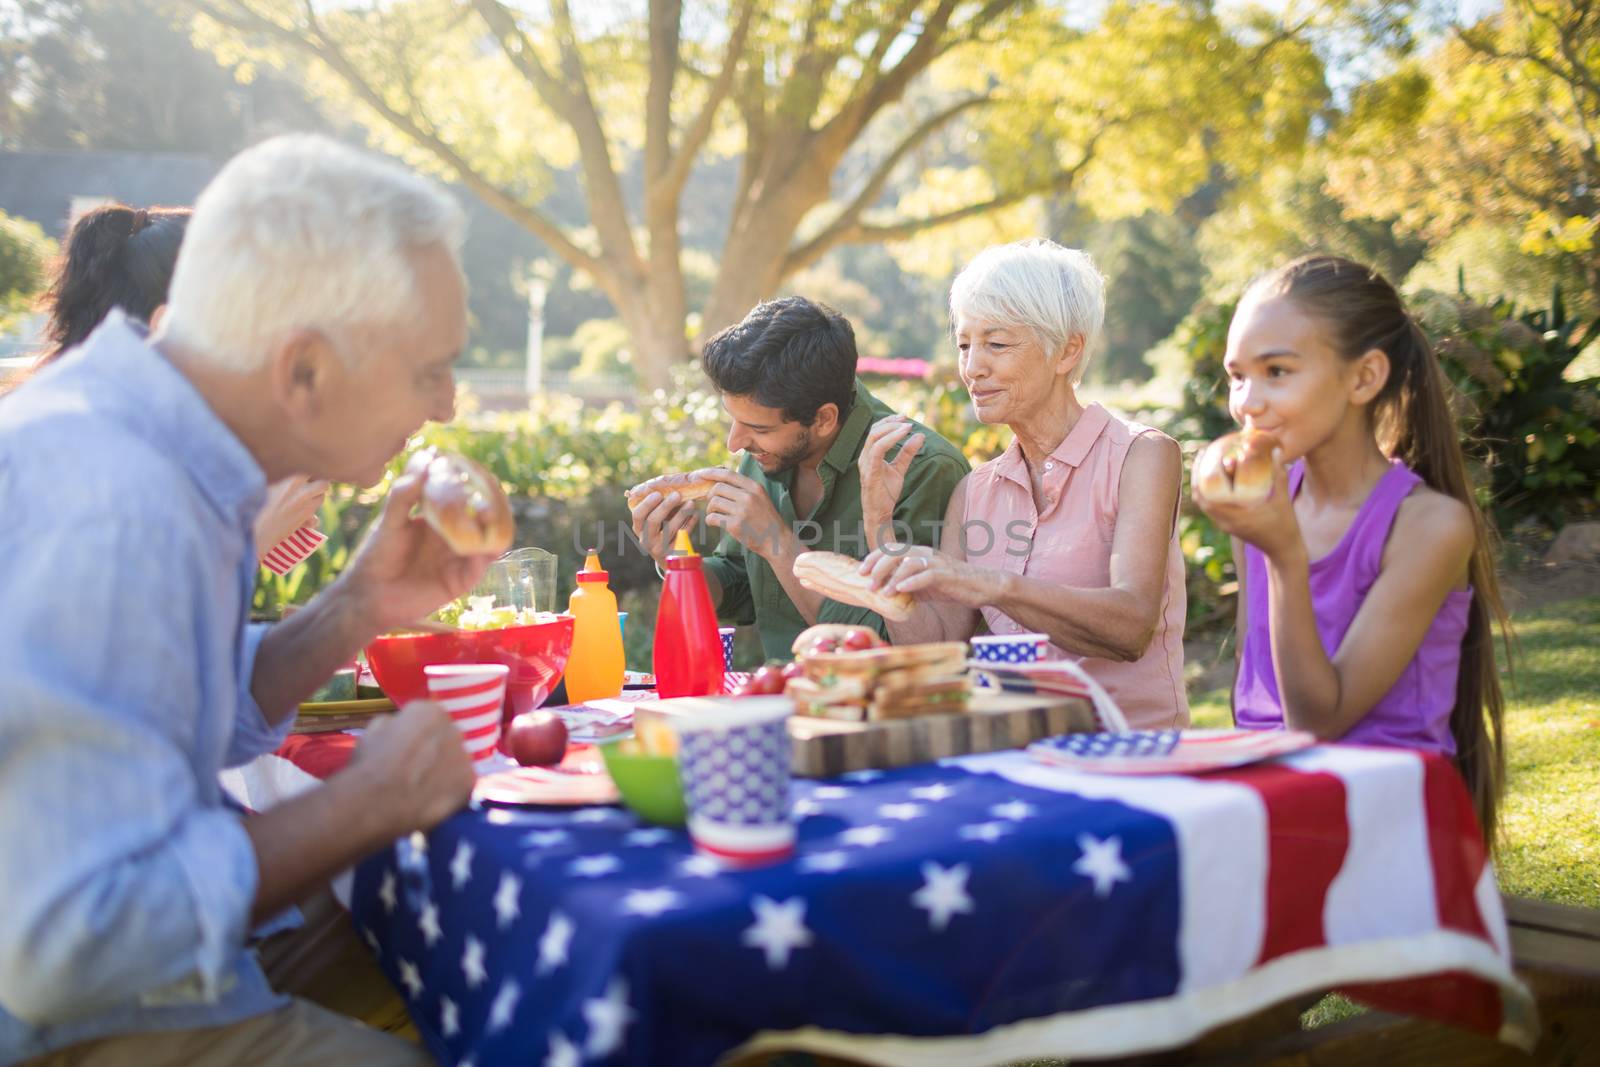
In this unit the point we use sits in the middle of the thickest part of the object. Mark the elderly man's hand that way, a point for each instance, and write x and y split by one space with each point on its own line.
403 569
415 761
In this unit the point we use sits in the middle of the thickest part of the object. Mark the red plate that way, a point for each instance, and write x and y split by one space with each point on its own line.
579 780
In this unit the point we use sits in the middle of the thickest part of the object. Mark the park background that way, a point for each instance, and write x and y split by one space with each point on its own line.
637 175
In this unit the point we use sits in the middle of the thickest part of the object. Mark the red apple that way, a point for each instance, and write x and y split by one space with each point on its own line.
537 739
768 681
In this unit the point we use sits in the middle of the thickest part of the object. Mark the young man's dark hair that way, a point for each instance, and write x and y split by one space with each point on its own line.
791 354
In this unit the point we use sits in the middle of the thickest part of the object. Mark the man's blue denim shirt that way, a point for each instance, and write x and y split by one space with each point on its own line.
126 572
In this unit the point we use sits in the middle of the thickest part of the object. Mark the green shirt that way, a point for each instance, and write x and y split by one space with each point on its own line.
751 592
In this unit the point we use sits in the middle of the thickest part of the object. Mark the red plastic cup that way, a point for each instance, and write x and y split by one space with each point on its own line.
473 694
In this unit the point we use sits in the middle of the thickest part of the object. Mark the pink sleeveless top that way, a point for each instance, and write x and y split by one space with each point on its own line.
1415 713
1069 543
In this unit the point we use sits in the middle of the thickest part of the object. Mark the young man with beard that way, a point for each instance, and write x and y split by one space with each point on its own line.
806 426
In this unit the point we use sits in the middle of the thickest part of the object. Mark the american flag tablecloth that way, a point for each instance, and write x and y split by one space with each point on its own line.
976 911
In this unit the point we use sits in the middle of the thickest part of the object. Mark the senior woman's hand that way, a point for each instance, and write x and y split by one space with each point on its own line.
928 574
882 479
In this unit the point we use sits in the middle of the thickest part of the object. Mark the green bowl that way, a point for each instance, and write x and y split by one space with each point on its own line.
648 784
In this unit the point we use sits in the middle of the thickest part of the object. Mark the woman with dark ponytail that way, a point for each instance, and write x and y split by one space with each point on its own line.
116 257
119 257
1368 593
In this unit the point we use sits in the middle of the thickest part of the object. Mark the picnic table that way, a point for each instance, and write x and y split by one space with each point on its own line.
976 910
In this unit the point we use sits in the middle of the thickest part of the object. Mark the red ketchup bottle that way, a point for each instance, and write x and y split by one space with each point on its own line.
688 652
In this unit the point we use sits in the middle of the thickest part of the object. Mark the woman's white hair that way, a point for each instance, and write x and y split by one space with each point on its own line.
301 232
1054 292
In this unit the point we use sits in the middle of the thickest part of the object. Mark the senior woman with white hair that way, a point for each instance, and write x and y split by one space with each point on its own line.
1072 531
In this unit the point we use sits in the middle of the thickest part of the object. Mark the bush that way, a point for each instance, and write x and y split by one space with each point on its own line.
25 254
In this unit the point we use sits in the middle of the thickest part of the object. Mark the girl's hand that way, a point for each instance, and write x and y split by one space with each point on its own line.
926 574
1270 525
290 504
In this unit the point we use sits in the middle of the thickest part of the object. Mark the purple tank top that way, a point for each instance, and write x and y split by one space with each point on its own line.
1415 713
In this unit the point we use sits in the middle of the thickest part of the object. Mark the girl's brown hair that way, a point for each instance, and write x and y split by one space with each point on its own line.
1415 424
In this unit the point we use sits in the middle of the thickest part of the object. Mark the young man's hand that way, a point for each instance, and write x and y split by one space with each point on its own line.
740 507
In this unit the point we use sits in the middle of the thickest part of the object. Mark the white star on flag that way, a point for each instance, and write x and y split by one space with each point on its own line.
608 1016
943 893
449 1018
645 838
371 938
504 1007
554 942
862 776
545 838
830 792
386 891
411 979
563 1053
461 865
903 812
651 902
594 866
1102 861
507 900
593 815
779 929
428 923
700 867
835 860
472 963
937 791
419 842
984 831
1015 810
803 807
866 836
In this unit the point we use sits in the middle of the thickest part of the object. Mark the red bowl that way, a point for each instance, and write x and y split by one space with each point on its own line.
536 654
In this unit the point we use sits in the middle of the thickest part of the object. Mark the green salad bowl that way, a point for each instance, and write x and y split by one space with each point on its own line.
649 784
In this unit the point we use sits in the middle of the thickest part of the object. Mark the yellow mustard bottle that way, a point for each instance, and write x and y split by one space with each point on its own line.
594 670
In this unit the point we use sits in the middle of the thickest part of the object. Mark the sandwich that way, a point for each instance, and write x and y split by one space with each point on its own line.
838 577
463 503
892 682
1236 468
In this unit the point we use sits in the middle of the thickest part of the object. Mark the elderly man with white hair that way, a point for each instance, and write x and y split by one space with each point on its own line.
317 309
1072 531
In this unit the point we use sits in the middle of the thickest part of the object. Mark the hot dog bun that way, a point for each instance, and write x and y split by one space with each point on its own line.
1236 468
690 485
464 503
837 577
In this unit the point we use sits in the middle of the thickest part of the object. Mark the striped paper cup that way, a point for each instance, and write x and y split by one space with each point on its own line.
288 554
474 695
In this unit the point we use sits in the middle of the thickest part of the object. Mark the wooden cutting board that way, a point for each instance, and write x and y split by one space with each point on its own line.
825 748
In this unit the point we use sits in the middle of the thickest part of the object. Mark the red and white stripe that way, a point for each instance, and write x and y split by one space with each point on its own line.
474 695
287 554
1384 840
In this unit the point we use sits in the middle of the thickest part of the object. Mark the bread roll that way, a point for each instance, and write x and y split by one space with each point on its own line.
838 577
691 485
464 503
1236 468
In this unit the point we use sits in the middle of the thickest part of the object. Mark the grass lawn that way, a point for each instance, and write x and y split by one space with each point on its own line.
1550 835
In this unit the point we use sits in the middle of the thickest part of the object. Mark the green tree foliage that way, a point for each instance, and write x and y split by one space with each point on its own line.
842 121
1497 126
120 74
25 255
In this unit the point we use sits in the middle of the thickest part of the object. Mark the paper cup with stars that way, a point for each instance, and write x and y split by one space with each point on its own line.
726 633
1010 648
734 763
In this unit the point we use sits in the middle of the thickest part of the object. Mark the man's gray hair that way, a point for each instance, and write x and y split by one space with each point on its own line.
1037 285
302 232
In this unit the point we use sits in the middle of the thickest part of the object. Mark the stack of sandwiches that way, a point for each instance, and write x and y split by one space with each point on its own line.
896 682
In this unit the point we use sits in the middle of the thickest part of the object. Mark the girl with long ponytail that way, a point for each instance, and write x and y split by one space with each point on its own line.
1368 591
